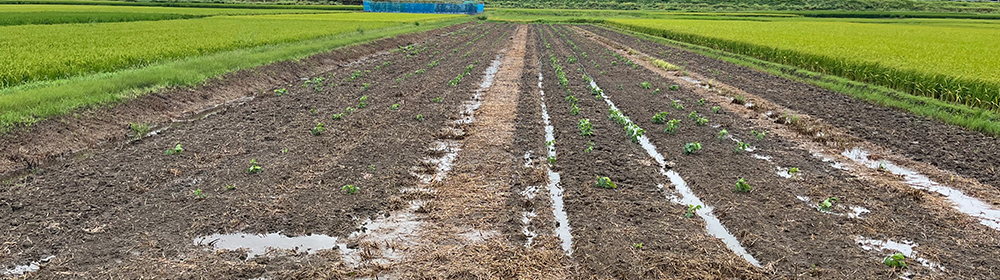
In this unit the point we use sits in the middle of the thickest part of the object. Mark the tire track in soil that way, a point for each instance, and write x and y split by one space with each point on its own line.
899 215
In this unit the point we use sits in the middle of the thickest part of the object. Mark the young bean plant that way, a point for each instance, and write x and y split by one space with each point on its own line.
672 126
660 117
176 150
674 87
319 129
254 167
740 147
897 260
350 189
701 102
586 129
742 185
645 85
827 204
716 109
722 135
691 210
605 182
701 121
677 105
690 148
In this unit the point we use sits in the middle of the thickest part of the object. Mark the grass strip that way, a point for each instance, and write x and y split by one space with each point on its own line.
27 104
186 4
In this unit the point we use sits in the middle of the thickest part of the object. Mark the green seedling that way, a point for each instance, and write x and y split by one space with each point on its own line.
637 246
701 121
254 168
350 110
421 71
318 129
722 135
363 102
176 150
438 99
199 194
691 210
674 87
571 99
672 126
280 92
897 260
881 166
657 91
645 85
590 147
571 59
139 129
574 110
230 187
350 189
285 150
701 102
586 128
338 116
420 118
827 204
793 170
716 109
743 186
660 117
621 87
552 160
550 143
693 115
394 107
456 80
690 148
312 111
759 134
634 132
605 182
739 99
740 147
676 104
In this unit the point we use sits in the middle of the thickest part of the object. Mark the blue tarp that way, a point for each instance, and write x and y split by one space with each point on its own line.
423 8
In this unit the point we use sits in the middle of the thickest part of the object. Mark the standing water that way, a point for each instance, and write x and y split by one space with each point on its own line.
555 190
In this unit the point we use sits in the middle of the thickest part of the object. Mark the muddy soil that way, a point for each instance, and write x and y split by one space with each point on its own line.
127 209
130 210
967 153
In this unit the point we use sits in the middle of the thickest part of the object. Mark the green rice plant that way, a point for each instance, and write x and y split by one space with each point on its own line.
586 128
139 130
740 147
827 204
897 260
605 182
645 85
672 126
722 135
743 186
676 104
690 148
254 167
318 129
660 117
716 109
350 189
176 150
691 209
674 87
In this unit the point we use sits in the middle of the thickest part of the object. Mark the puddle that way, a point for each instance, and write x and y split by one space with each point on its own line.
712 224
855 213
555 190
385 238
762 157
966 204
690 80
469 107
19 270
449 152
833 163
783 172
258 244
904 247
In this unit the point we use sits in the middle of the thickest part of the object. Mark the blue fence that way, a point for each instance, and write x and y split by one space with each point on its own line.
423 8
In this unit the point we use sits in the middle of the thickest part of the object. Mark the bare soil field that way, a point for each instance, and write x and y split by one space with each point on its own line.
479 151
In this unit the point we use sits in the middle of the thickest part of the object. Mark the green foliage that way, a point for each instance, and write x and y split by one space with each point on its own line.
230 187
740 147
350 189
419 117
199 194
254 167
690 148
634 132
674 87
743 186
660 117
740 99
701 102
897 260
676 104
693 115
176 150
590 147
586 129
827 204
363 102
691 210
552 160
456 80
701 121
349 110
319 129
280 92
793 171
394 107
337 116
438 99
657 91
759 134
605 182
637 246
672 126
645 85
574 110
139 129
722 135
571 99
716 109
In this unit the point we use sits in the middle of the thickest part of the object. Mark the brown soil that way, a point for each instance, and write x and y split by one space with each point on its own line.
126 210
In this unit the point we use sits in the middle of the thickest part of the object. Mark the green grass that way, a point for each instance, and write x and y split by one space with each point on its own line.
976 119
23 105
927 57
184 4
67 50
155 10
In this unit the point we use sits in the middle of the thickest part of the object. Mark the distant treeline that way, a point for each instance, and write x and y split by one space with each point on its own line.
756 5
